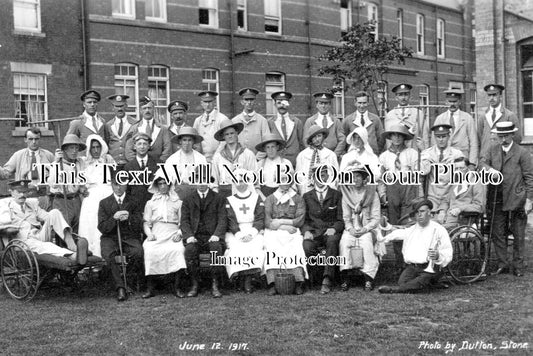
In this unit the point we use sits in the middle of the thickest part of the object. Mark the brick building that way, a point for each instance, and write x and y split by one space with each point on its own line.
504 54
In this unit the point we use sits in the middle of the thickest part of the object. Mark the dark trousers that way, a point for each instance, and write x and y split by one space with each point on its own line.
399 199
192 257
70 208
514 221
331 243
132 248
413 278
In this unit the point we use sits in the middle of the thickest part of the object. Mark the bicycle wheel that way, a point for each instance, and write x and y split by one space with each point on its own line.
470 255
20 271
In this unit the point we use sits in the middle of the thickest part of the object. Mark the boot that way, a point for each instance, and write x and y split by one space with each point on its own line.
194 289
215 291
150 288
177 291
248 284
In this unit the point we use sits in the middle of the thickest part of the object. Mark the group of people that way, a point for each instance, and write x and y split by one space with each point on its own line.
177 194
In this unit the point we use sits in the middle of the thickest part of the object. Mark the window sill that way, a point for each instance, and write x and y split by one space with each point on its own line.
21 132
28 33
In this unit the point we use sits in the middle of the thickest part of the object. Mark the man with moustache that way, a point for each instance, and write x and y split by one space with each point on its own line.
120 129
208 124
178 114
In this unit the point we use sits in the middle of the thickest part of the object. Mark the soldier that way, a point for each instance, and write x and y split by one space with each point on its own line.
120 129
288 127
208 123
160 147
178 112
336 138
89 122
255 125
363 118
411 117
464 128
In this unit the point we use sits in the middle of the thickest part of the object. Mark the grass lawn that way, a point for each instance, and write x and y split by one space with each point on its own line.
496 311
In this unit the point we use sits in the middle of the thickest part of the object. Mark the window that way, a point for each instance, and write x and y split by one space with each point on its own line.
208 13
420 34
274 82
30 98
473 102
124 8
127 83
526 64
156 10
242 23
399 21
337 104
210 82
158 91
441 44
373 18
423 100
273 16
27 15
346 15
456 85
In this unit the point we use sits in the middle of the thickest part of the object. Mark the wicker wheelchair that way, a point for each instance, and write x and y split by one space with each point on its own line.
23 271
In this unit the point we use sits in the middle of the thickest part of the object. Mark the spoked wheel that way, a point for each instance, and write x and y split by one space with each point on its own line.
20 271
470 255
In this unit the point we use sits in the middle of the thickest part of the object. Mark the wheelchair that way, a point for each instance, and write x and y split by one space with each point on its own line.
22 271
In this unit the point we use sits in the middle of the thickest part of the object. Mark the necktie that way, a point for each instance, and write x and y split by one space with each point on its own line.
119 201
324 121
142 164
206 117
120 127
95 125
23 209
321 199
441 155
284 128
452 121
403 112
34 174
362 119
493 116
149 128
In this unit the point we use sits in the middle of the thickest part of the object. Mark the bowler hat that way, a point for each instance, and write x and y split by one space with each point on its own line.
72 139
227 123
187 131
270 138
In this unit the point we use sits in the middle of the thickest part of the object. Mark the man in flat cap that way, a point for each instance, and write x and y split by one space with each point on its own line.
160 146
464 127
361 117
427 249
178 114
255 125
496 112
208 123
439 153
89 122
511 201
288 127
411 117
336 139
120 129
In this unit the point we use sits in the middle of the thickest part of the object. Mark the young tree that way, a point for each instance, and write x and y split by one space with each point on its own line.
363 59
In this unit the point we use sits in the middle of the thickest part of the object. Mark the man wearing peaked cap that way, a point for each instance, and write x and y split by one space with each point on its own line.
361 117
411 117
208 123
119 128
160 147
89 122
439 153
255 124
464 135
495 113
178 114
335 140
288 127
511 201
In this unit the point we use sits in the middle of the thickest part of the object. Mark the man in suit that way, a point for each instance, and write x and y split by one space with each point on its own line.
141 162
496 112
89 122
510 201
120 129
411 117
160 147
204 225
323 225
288 127
464 128
208 123
361 117
121 210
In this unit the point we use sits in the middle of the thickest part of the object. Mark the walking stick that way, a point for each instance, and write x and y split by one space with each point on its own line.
121 258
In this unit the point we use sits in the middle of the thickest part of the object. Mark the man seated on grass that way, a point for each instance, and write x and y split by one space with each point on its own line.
25 218
425 243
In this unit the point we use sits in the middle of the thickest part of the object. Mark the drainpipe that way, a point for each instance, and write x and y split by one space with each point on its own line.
436 58
232 54
310 78
85 49
503 53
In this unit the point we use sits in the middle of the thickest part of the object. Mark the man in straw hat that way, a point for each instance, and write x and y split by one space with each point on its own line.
288 127
313 156
230 156
178 114
336 139
66 185
208 123
119 128
464 127
496 112
272 145
425 243
255 125
33 225
89 122
511 201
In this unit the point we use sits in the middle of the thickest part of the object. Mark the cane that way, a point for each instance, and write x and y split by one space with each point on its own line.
121 258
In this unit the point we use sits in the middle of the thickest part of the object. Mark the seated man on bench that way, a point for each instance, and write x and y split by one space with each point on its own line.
33 225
